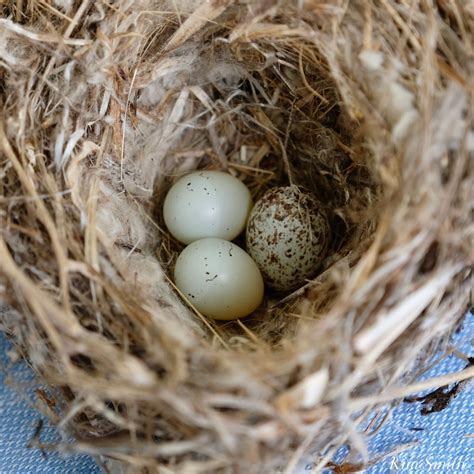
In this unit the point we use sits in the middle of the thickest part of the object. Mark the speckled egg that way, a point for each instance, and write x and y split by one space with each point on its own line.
287 236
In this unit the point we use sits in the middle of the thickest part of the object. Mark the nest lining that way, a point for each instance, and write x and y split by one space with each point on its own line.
99 119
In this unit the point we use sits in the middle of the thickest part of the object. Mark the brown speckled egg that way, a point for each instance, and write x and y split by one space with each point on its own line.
287 236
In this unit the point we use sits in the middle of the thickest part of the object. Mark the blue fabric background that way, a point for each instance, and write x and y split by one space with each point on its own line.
446 441
18 421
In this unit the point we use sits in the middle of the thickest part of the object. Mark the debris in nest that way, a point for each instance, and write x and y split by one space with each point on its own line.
439 399
46 398
35 439
345 468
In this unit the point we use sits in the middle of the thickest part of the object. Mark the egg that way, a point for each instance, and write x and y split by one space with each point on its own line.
207 204
287 236
219 279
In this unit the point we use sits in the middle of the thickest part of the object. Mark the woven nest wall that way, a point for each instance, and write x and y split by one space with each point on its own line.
365 104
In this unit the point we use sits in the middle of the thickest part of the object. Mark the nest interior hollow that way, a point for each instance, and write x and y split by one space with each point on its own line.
103 107
272 131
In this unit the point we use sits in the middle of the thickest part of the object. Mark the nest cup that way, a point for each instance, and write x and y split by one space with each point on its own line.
366 105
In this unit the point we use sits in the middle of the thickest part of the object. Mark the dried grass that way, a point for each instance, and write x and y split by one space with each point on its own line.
367 104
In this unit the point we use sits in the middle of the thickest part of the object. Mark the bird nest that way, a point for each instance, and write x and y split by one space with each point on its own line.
365 104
